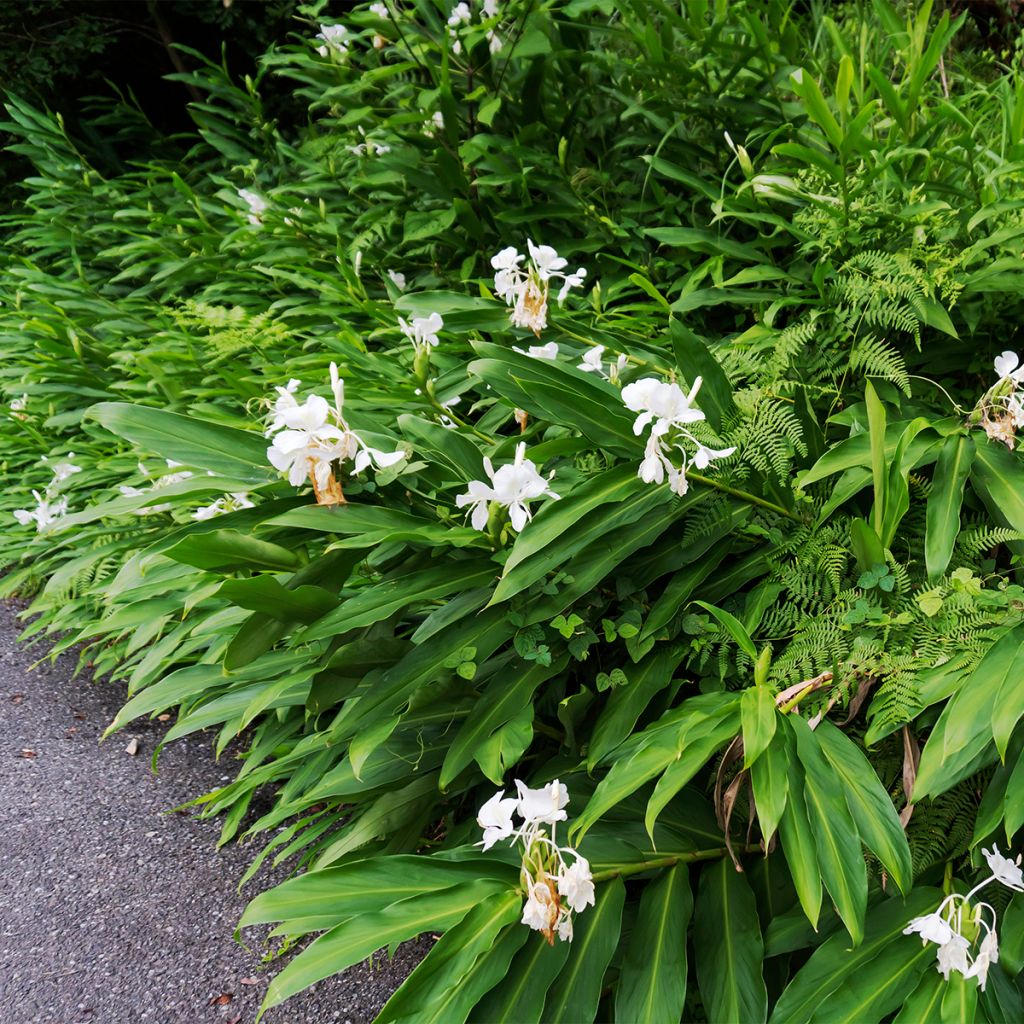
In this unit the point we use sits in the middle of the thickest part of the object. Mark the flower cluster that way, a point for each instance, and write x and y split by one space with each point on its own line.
671 410
49 508
1001 409
335 41
256 203
513 487
226 503
128 491
555 889
524 288
309 438
957 925
368 146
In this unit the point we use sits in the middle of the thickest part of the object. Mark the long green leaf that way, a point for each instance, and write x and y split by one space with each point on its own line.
652 980
728 946
944 501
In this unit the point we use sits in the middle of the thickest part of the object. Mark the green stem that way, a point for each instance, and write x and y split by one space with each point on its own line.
671 861
753 499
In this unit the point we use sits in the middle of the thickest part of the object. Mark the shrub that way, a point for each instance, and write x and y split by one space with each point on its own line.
685 560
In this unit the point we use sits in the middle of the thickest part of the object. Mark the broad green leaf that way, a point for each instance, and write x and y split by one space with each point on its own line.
230 550
944 501
769 776
872 809
577 990
996 474
448 448
652 979
834 961
728 946
519 997
354 940
835 835
733 626
194 442
449 980
758 718
797 834
960 1000
265 594
500 703
695 359
877 441
924 1004
880 986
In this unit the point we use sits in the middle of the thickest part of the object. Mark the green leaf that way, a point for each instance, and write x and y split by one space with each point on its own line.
354 940
728 946
460 967
229 550
519 997
872 809
577 992
797 835
652 979
833 962
758 717
996 474
769 777
734 626
427 224
695 359
447 448
265 594
960 999
924 1004
189 440
877 439
835 834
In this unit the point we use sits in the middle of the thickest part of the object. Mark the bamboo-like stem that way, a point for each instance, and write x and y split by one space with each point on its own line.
670 861
753 499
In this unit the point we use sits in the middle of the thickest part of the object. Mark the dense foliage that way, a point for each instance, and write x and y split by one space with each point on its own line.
764 627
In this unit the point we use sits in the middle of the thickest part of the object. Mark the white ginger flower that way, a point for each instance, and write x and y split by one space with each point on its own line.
397 279
513 486
256 203
932 928
422 332
525 289
227 503
548 351
460 15
495 818
543 806
45 514
1005 870
19 404
576 884
335 40
1007 365
381 10
952 956
661 400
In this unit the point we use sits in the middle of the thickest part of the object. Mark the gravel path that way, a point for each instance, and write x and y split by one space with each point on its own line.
112 912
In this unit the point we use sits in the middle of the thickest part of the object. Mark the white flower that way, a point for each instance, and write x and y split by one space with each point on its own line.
661 400
227 503
314 436
44 514
548 351
1005 870
988 954
576 884
62 470
703 457
495 818
335 39
434 125
19 404
422 332
932 928
381 10
952 956
397 279
591 362
514 485
540 910
565 928
256 203
525 289
542 806
490 8
494 44
1007 365
460 14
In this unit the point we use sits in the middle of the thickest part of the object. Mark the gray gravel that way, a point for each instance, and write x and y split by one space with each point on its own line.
111 911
